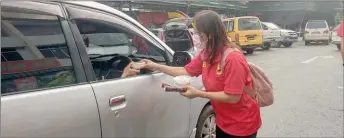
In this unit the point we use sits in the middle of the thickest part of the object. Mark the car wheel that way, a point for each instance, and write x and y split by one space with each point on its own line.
206 126
338 46
249 51
278 44
266 46
327 42
288 44
306 43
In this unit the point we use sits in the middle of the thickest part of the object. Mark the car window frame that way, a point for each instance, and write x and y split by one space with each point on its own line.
97 14
73 52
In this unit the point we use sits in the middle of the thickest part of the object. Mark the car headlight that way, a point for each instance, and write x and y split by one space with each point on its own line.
284 33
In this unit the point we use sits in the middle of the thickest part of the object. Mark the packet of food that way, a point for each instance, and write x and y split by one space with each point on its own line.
182 80
169 88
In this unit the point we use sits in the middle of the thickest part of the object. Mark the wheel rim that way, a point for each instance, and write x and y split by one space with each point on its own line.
209 127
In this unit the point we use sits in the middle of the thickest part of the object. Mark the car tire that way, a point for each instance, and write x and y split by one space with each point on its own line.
266 46
278 44
202 123
338 46
306 43
249 51
327 42
287 44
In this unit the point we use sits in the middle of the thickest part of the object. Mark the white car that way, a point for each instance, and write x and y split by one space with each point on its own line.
335 38
272 35
317 31
281 36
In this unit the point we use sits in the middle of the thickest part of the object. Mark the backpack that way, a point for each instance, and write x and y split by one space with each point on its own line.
262 87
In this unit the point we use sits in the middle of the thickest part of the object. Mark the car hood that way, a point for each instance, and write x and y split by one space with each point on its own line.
285 30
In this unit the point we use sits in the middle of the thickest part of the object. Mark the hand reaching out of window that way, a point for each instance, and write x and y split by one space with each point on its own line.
128 71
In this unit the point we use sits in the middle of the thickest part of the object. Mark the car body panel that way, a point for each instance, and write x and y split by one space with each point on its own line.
62 112
288 36
271 33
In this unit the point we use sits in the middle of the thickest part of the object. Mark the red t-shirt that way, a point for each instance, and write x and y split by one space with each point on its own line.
242 118
341 29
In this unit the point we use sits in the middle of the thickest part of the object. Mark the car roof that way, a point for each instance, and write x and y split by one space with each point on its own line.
240 17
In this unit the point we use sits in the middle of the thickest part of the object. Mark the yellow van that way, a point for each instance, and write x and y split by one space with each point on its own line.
245 31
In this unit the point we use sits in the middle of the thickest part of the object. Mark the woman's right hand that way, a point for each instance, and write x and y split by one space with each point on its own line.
149 64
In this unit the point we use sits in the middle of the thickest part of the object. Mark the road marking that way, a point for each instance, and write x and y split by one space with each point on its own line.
316 57
310 60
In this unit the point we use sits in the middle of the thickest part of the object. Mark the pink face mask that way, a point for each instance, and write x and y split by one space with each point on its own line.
198 43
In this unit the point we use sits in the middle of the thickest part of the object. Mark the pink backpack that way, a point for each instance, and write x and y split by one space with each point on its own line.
262 87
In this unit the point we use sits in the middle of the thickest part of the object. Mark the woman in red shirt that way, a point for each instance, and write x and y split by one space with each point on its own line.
237 114
340 33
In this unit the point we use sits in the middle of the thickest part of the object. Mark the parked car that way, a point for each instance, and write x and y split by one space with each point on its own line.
272 35
245 31
58 79
335 38
317 31
178 34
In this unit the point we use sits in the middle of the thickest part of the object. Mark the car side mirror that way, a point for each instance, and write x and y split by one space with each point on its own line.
181 58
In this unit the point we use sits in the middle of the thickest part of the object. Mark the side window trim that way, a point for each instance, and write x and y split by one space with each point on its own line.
74 55
47 8
75 12
72 14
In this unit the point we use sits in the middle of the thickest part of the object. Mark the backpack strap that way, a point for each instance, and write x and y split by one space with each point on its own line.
247 89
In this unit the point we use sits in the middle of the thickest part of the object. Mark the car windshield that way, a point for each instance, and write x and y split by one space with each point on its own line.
249 24
272 26
108 39
316 24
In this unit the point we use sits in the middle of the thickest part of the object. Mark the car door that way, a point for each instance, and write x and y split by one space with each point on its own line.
133 106
44 92
267 33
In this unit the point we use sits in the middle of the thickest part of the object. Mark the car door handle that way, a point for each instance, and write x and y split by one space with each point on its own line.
118 100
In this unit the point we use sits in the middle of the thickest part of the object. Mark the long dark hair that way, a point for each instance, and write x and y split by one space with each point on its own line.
210 24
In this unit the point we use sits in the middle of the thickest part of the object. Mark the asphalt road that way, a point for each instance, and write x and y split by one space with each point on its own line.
308 84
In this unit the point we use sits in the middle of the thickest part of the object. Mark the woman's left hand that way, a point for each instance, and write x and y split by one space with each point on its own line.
191 92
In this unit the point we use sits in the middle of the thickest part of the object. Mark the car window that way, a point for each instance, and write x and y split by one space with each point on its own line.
104 39
229 25
249 24
265 27
34 54
316 24
272 26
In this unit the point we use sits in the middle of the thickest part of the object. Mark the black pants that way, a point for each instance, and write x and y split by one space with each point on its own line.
221 134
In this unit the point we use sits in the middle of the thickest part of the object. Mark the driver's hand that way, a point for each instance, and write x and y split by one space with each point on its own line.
128 71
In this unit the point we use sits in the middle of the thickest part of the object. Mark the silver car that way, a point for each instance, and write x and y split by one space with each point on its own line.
61 76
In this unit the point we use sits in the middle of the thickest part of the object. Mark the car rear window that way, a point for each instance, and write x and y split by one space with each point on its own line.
249 24
316 24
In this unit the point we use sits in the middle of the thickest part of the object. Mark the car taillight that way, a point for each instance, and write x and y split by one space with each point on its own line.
237 37
326 32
